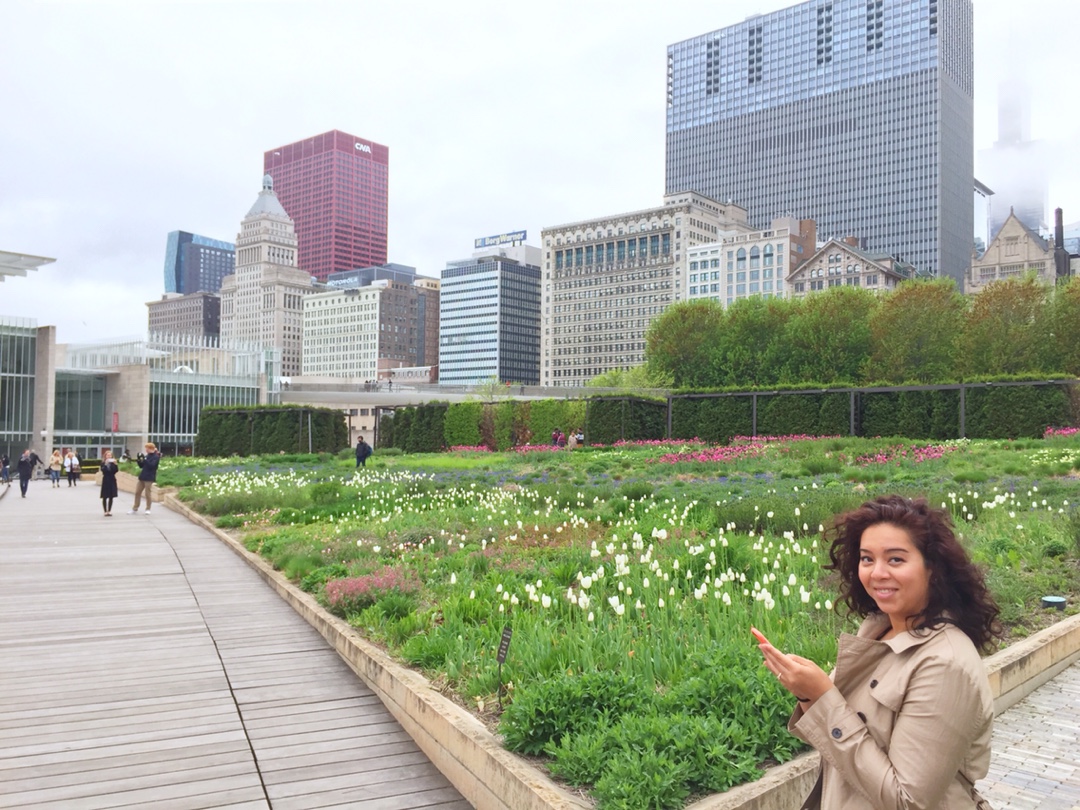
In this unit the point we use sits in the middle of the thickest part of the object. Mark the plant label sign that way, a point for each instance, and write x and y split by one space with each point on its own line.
504 645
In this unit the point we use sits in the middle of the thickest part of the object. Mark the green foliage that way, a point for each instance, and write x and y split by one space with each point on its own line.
1015 411
316 578
264 429
913 336
461 426
1008 329
828 336
609 420
678 343
548 415
326 493
711 419
552 708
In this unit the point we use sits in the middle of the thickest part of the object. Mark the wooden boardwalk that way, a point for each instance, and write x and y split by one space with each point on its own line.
143 664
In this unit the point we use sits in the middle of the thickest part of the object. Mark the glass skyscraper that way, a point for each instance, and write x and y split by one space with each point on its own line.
196 263
489 318
854 113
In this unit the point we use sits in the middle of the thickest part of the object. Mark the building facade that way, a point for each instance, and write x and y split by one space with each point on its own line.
262 301
117 396
605 280
363 331
749 264
489 318
335 187
840 263
1015 251
196 263
192 314
855 113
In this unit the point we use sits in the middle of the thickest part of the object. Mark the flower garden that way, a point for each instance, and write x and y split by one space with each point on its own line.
630 576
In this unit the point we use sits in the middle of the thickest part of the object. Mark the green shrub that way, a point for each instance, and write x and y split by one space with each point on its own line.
229 522
326 493
318 577
547 710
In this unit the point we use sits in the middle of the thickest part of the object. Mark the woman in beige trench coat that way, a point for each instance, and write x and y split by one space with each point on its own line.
904 719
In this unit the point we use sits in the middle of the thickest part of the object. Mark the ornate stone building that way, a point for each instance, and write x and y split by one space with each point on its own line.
262 301
839 263
1015 250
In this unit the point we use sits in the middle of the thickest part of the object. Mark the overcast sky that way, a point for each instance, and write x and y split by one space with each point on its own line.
121 121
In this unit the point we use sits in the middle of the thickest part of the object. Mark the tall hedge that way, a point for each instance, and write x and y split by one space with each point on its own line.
548 415
260 429
420 428
1013 412
609 420
461 426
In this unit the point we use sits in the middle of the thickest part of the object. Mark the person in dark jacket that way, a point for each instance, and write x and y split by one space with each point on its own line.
363 452
26 469
147 476
5 469
108 481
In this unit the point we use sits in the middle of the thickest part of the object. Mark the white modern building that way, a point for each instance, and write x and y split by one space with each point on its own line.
262 301
341 332
489 317
749 264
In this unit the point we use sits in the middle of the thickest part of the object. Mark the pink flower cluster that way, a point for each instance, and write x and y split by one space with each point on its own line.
353 594
900 453
537 448
466 448
723 454
656 442
1060 431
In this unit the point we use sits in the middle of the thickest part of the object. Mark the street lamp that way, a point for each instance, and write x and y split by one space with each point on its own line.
44 435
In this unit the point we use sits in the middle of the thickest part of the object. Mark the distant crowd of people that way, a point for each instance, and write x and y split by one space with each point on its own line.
560 439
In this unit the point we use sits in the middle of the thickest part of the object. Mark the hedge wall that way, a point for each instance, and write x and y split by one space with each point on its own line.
420 429
461 427
609 420
261 429
1015 412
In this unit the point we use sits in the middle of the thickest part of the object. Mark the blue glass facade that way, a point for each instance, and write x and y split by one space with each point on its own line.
855 113
489 322
196 263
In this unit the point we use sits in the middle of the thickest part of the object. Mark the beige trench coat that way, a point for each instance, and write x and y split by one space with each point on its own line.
909 718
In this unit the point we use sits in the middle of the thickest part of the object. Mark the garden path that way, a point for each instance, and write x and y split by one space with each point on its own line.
144 664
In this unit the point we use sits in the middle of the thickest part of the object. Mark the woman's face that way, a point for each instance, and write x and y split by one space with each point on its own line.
893 571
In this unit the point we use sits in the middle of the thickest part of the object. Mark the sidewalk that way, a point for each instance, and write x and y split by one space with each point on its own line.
1036 761
146 665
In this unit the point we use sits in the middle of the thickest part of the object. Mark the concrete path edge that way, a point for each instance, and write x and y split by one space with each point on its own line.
491 778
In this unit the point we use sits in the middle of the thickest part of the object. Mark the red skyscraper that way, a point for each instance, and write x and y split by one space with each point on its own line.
334 187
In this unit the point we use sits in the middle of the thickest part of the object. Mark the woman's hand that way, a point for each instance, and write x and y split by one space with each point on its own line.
800 676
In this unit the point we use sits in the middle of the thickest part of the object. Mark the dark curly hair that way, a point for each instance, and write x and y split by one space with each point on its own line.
958 593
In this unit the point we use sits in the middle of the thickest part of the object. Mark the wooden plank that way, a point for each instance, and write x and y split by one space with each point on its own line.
145 665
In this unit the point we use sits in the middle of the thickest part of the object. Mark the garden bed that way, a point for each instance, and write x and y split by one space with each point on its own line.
629 576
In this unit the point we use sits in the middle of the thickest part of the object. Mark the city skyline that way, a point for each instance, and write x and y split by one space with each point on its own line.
102 204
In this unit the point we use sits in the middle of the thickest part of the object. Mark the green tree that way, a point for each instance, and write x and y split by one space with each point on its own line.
1065 326
1007 329
750 349
829 336
915 333
680 342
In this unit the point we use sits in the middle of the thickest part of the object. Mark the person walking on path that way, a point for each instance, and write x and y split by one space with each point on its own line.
56 464
71 467
363 452
26 469
108 481
147 476
5 469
